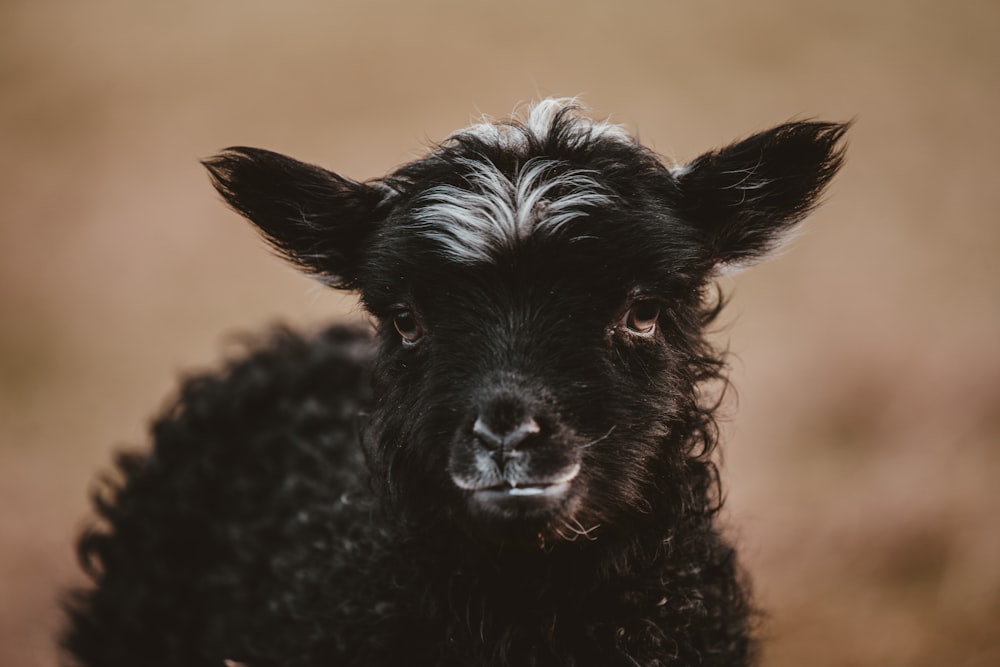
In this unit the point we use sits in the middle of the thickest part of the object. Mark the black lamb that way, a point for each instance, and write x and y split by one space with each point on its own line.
516 466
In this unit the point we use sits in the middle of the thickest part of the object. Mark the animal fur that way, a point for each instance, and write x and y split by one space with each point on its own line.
514 468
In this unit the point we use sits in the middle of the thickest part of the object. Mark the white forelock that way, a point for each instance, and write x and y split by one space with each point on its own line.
493 212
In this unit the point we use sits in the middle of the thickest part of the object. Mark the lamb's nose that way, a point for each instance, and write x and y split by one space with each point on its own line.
507 440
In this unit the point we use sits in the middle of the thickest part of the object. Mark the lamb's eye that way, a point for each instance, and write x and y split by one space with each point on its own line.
642 316
408 327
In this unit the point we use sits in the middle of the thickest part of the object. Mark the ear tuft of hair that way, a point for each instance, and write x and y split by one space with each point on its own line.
747 198
315 218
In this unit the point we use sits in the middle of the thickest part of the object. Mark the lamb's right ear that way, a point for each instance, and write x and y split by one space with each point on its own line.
313 217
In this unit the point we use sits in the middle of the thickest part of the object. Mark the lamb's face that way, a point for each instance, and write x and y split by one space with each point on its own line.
535 333
537 285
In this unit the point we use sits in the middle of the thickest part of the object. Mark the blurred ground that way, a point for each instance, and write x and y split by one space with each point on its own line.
862 459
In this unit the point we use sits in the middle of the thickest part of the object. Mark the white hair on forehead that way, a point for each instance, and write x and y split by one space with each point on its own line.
538 122
494 212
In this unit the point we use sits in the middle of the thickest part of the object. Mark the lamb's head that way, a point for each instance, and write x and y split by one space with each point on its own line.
539 291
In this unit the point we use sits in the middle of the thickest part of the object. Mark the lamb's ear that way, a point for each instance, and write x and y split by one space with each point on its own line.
315 218
747 198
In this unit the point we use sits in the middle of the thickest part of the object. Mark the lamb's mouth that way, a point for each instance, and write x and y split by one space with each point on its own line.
528 494
525 491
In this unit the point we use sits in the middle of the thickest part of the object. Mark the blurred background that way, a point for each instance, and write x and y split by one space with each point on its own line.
862 458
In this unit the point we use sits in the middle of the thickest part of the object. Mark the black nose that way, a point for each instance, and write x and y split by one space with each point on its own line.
505 439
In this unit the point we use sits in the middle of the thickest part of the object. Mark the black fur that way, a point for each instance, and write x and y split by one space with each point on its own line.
258 531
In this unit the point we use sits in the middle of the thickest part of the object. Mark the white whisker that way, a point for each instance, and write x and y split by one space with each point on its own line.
603 437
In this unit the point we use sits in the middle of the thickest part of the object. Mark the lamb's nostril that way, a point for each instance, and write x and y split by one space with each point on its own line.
508 440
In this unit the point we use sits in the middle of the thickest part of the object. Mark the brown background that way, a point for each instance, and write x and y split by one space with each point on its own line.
863 459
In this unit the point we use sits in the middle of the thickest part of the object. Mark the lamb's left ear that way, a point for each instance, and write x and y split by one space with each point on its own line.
315 218
747 197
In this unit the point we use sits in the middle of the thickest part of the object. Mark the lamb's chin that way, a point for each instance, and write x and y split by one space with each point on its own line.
521 517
